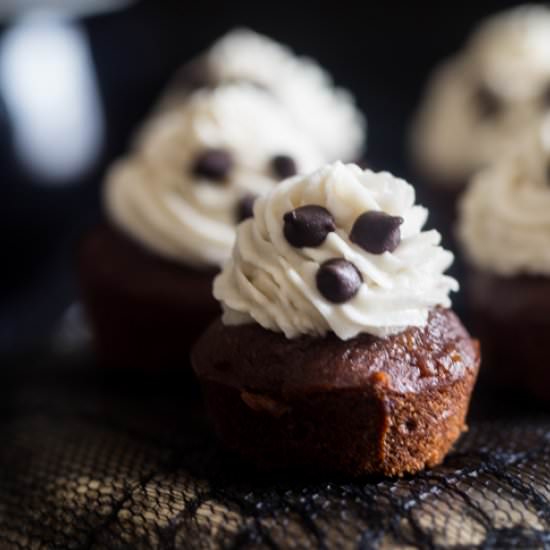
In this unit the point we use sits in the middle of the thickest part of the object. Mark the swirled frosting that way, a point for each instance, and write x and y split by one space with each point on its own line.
156 197
504 222
323 111
478 101
271 282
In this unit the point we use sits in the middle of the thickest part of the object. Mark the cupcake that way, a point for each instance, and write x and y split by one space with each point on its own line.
172 207
504 231
337 350
478 101
325 113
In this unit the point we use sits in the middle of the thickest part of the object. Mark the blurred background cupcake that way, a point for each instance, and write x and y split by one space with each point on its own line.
504 231
478 101
77 78
324 112
172 208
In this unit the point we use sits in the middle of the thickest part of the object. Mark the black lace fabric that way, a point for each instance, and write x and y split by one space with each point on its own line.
96 459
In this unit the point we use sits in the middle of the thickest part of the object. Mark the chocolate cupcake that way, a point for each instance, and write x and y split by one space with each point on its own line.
478 101
504 230
324 112
172 207
336 351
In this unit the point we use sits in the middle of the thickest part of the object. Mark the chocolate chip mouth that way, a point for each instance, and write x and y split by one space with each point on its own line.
338 280
245 207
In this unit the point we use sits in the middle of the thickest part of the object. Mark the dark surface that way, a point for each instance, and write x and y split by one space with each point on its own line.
96 459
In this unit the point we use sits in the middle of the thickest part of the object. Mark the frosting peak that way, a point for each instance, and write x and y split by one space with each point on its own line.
197 168
512 51
324 112
332 282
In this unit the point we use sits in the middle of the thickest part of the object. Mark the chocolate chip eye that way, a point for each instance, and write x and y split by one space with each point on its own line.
213 164
308 225
488 103
283 166
545 97
338 280
376 232
245 207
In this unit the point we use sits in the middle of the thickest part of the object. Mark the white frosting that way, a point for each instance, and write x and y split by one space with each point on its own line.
509 55
154 196
270 282
504 223
326 113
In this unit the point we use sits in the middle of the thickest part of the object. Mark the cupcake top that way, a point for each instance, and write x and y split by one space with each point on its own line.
197 169
504 221
478 101
324 112
338 250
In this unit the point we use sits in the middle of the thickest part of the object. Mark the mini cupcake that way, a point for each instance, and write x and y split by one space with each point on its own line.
504 230
325 113
172 208
337 350
479 100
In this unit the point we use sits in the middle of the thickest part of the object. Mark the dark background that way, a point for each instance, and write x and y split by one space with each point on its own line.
381 51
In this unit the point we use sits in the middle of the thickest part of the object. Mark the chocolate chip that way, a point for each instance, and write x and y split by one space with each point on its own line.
488 103
338 280
245 207
545 97
283 166
376 232
213 164
307 225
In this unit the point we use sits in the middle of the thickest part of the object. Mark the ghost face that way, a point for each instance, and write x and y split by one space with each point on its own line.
480 103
